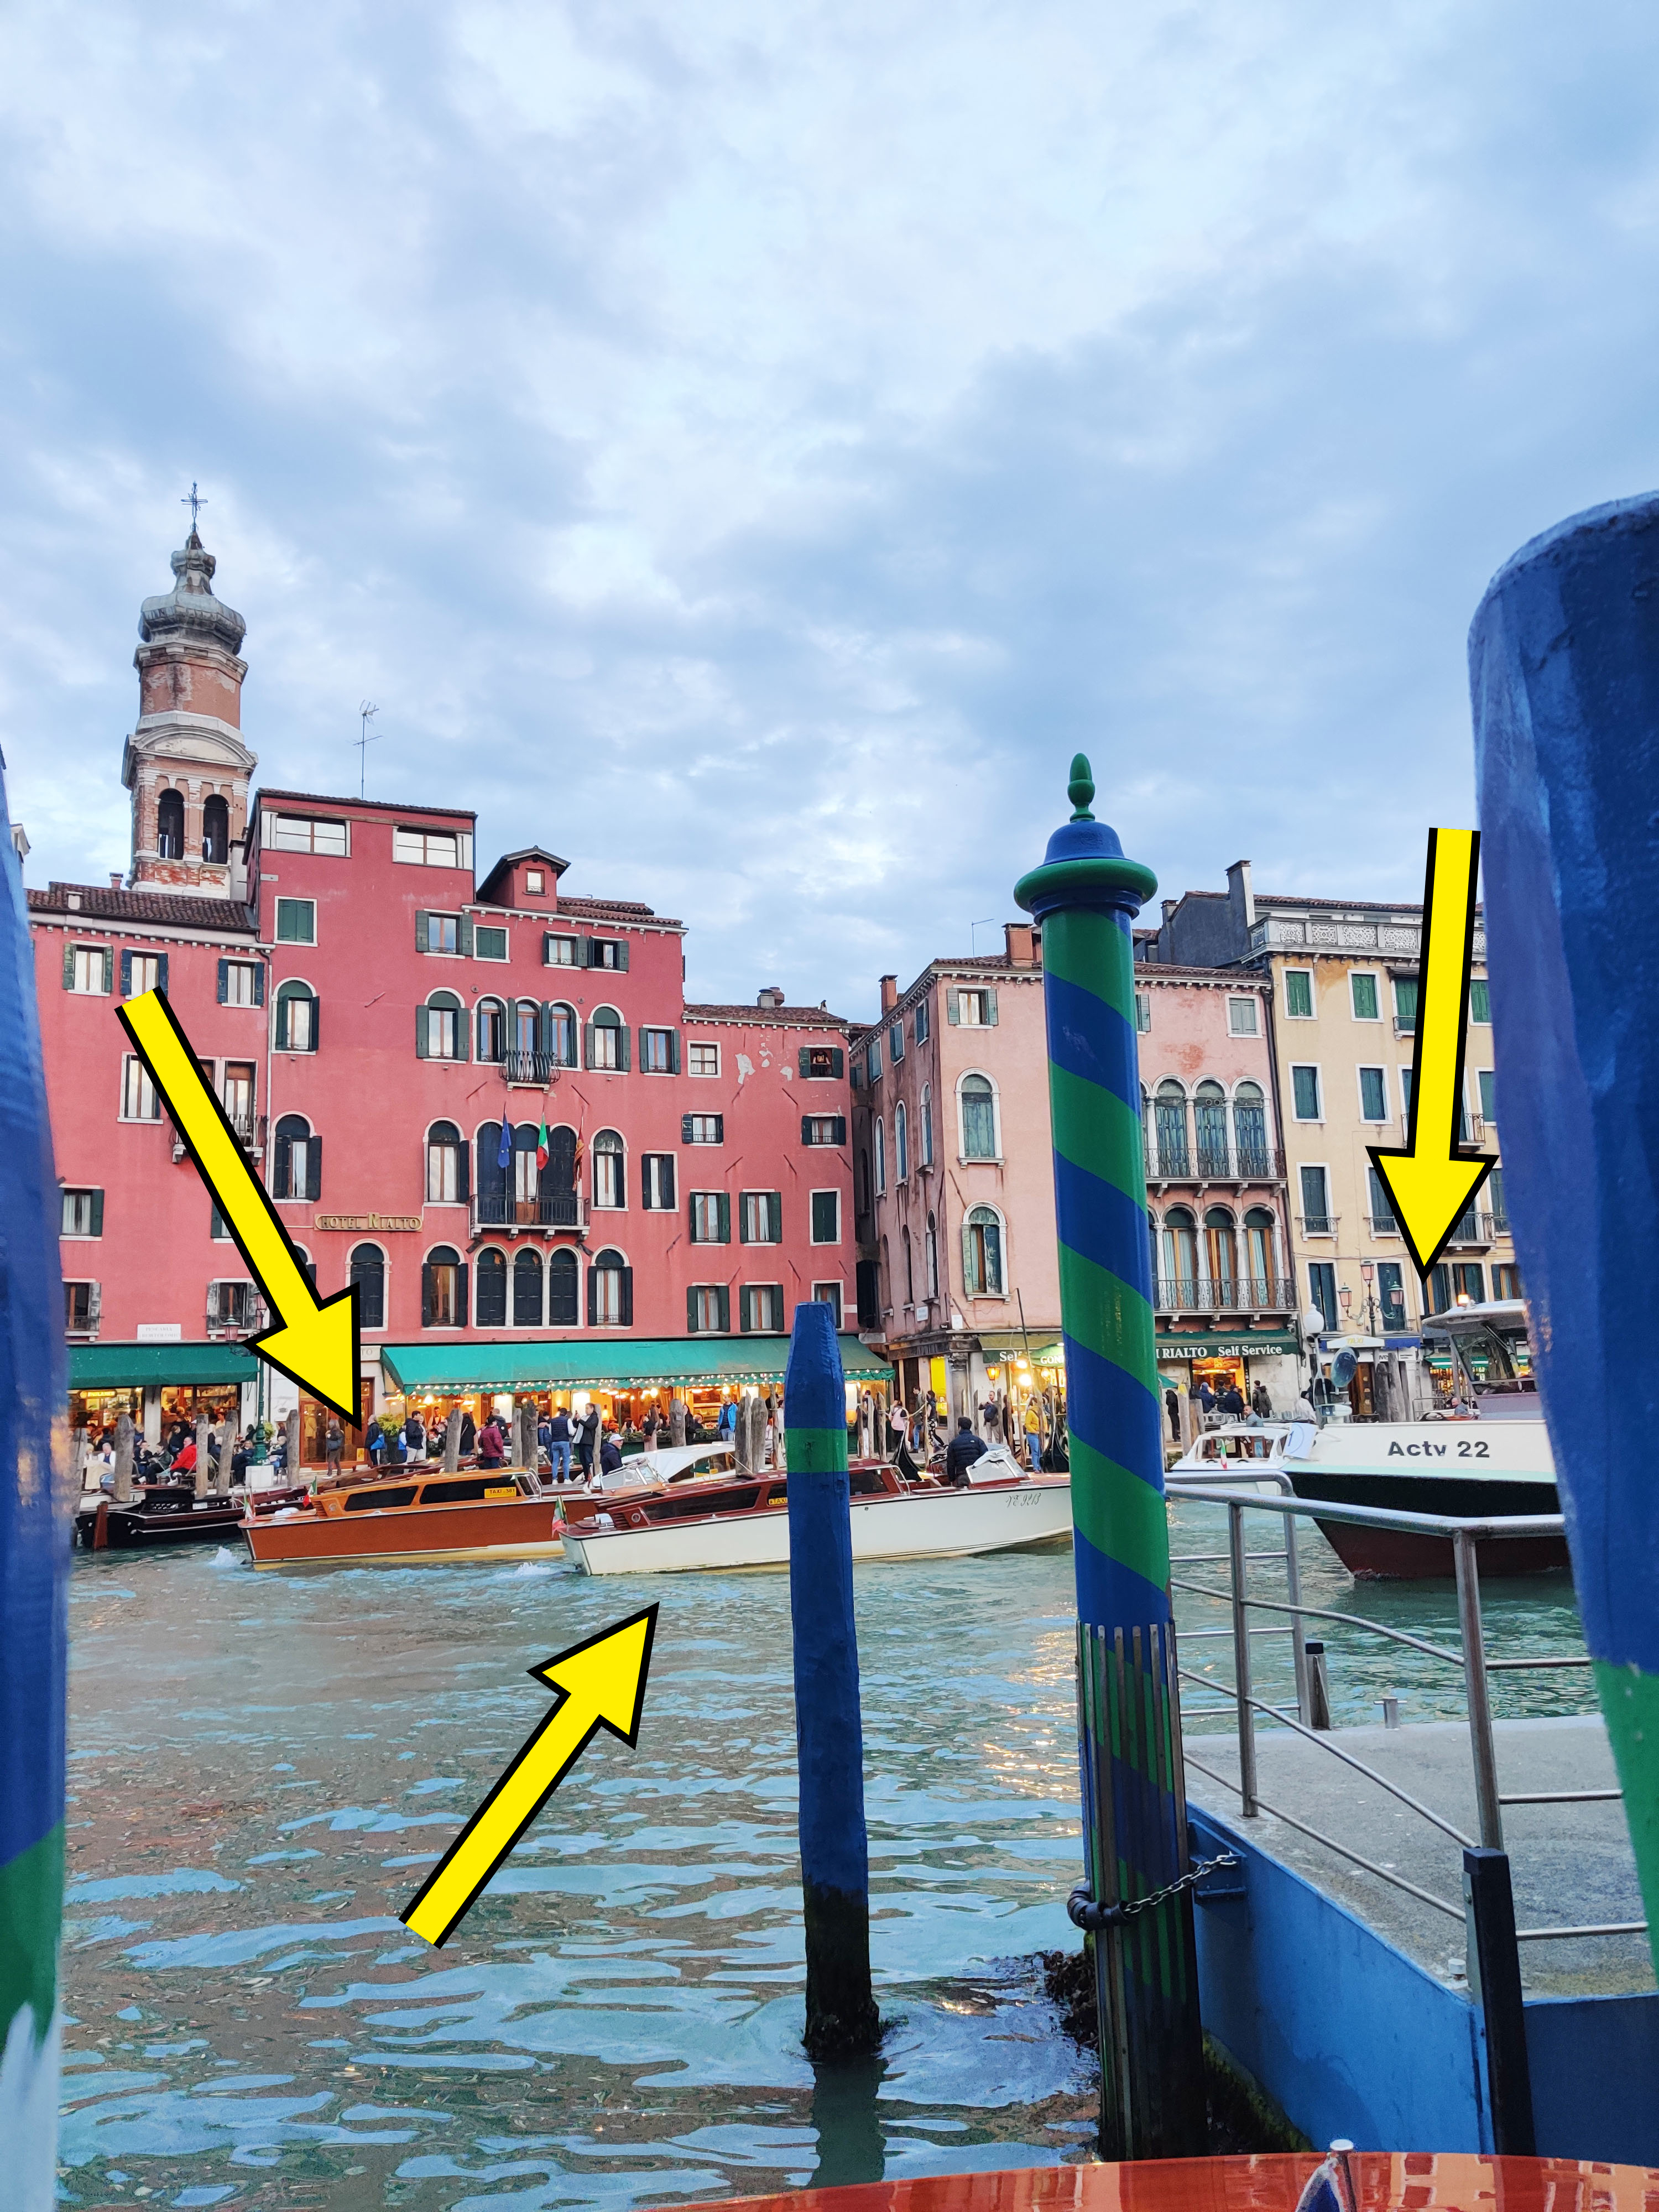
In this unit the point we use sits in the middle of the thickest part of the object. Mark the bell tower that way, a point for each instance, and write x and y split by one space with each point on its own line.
185 763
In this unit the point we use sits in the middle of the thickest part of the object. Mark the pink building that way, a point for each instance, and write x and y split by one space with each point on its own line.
954 1183
394 1039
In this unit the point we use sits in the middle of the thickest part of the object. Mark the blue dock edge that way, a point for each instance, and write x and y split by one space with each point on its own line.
1351 2037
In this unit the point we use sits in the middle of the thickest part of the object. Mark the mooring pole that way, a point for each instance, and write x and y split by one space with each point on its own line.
36 1530
1563 672
841 2018
1084 896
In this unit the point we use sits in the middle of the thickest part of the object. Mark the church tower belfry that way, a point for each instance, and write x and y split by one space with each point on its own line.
185 763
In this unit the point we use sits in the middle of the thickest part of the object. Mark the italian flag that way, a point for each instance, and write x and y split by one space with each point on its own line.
541 1146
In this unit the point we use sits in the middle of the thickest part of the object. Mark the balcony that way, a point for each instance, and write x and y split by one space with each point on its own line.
1383 1225
1174 1163
235 1310
1476 1229
249 1128
1207 1294
539 1068
552 1209
1319 1224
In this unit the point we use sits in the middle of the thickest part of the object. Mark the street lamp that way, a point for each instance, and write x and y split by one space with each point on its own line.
1347 1297
1367 1276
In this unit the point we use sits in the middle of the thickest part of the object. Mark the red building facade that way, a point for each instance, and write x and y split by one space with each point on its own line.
484 1101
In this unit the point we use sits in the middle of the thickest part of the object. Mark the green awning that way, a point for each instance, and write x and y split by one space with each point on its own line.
141 1367
1246 1344
616 1363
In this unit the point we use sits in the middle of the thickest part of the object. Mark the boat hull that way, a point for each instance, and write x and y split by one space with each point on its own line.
423 1536
1393 1554
923 1524
140 1527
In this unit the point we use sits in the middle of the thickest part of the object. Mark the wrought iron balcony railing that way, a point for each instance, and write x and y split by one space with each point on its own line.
537 1067
1211 1294
1475 1228
561 1209
1187 1163
1319 1224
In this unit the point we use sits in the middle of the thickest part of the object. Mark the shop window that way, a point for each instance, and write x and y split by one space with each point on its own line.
609 1292
296 921
609 1188
828 1294
561 1307
1305 1092
981 1252
170 826
657 1182
1362 997
527 1289
367 1271
826 1217
979 1117
297 1162
297 1022
139 1100
443 1289
1298 994
83 1213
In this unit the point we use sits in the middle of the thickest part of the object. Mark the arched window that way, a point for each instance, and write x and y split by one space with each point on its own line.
926 1125
609 1292
881 1155
527 1289
864 1182
1170 1115
910 1276
446 1165
492 1288
901 1143
561 1312
1210 1121
1179 1268
170 826
933 1258
1220 1254
492 1030
491 1178
368 1272
885 1280
979 1118
216 831
1260 1288
559 1034
558 1178
1250 1130
296 1168
308 1265
526 1041
610 1170
981 1252
607 1041
440 1028
443 1289
526 1182
296 1017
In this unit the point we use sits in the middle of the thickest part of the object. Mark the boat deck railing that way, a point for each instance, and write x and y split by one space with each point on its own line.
1469 1657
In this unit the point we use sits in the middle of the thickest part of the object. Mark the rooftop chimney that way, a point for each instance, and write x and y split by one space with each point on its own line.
771 996
116 879
1020 937
889 993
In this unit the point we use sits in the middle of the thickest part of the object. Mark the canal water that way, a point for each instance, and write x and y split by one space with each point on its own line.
263 1768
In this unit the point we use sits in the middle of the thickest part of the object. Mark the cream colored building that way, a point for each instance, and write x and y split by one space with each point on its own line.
1343 1021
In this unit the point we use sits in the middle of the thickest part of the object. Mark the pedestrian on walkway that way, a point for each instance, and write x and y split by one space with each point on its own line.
587 1442
333 1444
415 1435
1172 1407
1261 1402
492 1444
558 1445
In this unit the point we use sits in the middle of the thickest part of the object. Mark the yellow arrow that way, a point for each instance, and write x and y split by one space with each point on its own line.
1433 1182
601 1684
317 1342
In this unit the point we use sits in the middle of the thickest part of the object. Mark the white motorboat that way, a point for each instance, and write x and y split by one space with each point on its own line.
743 1521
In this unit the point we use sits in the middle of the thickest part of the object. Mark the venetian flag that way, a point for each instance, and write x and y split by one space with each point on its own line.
542 1147
504 1157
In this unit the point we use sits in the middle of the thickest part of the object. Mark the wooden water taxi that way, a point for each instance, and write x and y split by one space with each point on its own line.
171 1513
743 1521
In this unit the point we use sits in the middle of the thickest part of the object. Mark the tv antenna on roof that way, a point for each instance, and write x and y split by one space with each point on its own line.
988 923
367 711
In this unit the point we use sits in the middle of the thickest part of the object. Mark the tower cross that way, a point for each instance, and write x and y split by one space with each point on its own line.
193 500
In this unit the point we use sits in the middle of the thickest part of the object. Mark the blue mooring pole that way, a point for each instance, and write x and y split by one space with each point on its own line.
35 1534
841 2018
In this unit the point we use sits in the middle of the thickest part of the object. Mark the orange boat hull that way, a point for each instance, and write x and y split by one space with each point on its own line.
493 1528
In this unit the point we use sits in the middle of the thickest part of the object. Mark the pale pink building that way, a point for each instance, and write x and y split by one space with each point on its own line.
953 1183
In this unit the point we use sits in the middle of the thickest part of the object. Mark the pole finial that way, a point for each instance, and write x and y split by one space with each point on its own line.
1081 789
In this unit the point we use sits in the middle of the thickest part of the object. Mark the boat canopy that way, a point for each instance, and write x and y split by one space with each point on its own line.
142 1366
540 1363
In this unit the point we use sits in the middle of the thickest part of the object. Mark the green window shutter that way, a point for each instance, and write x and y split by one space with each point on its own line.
316 1023
745 1309
841 1129
692 1313
587 1033
838 1064
625 1289
806 1128
725 1299
421 922
281 1025
98 1214
1479 999
805 1062
723 1231
259 982
774 1210
624 1049
126 977
584 952
952 1010
224 977
685 1128
991 1008
109 970
621 956
162 964
420 1049
69 967
314 1167
673 1052
743 1218
464 935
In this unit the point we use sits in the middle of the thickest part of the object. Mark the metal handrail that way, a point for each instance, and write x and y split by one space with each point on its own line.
1465 1535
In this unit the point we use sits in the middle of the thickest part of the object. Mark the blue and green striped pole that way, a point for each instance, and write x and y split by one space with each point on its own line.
1084 896
35 1532
842 2020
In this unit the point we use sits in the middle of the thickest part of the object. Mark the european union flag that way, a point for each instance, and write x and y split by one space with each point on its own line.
504 1157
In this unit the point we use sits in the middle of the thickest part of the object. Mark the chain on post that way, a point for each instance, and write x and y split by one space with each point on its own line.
1084 1912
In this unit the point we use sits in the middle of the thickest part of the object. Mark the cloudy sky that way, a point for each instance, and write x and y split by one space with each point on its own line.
749 448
